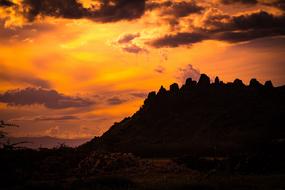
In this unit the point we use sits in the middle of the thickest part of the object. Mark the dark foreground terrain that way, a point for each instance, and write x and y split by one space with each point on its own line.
66 168
202 136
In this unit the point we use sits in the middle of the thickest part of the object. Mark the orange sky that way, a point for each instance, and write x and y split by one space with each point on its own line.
110 58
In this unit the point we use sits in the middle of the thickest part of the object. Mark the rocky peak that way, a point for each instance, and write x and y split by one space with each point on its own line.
162 91
174 88
217 81
204 81
188 81
268 84
238 83
255 83
150 97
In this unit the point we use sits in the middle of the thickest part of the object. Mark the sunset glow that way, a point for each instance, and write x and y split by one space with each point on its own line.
97 60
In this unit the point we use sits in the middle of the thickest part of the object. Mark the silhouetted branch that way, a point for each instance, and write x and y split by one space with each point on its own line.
13 146
3 124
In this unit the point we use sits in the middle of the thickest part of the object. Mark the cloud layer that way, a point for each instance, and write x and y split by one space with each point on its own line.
49 98
176 9
227 28
210 24
127 43
102 11
6 3
56 118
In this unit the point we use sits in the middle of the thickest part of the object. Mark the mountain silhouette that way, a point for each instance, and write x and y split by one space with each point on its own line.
201 117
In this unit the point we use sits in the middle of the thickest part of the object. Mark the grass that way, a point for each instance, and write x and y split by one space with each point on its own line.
166 181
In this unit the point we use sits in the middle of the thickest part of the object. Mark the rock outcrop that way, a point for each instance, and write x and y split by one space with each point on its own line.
201 117
268 84
204 81
255 84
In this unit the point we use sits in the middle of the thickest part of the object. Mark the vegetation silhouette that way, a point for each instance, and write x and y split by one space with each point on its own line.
3 124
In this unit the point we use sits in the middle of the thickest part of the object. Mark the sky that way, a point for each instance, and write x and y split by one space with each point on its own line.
70 69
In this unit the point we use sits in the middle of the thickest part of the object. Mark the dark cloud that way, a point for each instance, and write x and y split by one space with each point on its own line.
240 36
133 48
139 94
251 26
6 3
182 9
217 21
108 11
22 78
176 9
259 20
227 2
280 4
56 118
155 5
172 12
127 38
115 10
127 44
159 69
55 8
236 29
214 19
178 40
49 98
115 101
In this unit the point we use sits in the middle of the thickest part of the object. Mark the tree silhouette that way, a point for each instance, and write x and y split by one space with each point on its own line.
3 124
8 144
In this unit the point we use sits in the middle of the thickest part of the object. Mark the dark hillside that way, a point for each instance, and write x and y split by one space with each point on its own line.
199 118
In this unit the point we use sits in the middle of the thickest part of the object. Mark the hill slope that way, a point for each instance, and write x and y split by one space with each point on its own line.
199 118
